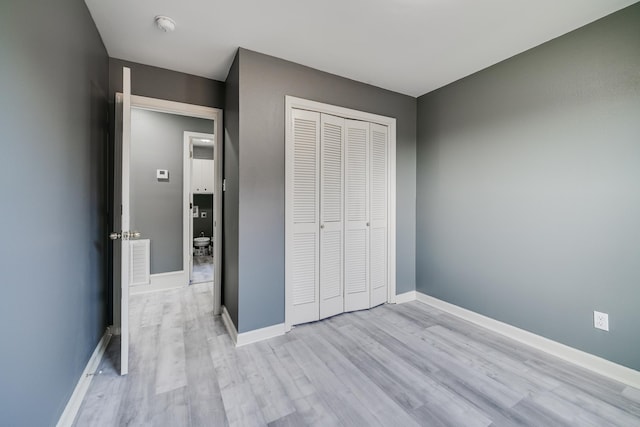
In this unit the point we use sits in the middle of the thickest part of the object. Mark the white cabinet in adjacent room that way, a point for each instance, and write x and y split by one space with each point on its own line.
202 176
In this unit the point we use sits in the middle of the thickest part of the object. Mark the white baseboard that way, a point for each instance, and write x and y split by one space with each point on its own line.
73 405
260 334
578 357
228 323
406 297
252 336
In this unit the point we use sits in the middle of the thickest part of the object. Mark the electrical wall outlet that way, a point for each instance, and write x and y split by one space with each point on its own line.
601 320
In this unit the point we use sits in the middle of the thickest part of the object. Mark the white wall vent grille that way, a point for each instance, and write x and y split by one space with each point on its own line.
139 273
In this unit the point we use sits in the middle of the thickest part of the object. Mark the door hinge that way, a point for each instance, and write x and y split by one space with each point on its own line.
224 185
120 210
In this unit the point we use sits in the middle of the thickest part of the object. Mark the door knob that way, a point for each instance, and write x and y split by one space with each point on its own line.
134 235
114 236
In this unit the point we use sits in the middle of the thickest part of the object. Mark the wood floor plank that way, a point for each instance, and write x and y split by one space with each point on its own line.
266 386
326 379
170 409
204 398
170 365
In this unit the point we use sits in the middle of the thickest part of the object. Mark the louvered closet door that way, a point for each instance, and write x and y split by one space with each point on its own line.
331 213
356 219
378 214
303 248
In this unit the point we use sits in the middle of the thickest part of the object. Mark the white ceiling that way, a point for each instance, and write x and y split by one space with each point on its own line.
408 46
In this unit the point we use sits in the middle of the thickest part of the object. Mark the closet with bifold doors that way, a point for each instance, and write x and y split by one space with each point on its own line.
336 249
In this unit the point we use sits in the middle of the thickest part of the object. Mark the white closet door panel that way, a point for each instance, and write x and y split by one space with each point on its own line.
331 292
378 212
303 251
331 214
357 289
331 185
378 272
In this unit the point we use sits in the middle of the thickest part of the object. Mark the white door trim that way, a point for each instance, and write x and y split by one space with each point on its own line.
291 103
198 111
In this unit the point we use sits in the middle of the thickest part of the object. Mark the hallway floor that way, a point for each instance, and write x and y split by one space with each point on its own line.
394 365
202 269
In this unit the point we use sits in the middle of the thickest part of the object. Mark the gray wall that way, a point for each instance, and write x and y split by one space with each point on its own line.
264 82
528 189
157 83
203 152
231 195
53 128
157 142
204 202
160 83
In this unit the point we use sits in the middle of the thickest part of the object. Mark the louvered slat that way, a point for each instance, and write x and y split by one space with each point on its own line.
304 265
331 266
331 172
378 258
357 169
356 261
304 170
378 176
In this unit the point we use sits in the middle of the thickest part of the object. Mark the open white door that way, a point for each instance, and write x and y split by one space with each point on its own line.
122 249
356 246
124 242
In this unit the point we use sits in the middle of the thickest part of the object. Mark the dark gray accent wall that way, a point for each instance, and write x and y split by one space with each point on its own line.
231 195
53 128
160 83
157 83
528 189
204 202
264 83
157 142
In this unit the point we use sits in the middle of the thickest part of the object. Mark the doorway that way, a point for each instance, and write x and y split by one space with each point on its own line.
201 173
149 173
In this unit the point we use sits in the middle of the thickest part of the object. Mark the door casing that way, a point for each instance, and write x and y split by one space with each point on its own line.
183 109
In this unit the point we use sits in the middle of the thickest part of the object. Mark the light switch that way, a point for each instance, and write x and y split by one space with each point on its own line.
162 174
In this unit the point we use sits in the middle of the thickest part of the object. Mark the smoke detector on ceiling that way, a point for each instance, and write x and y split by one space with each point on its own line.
165 23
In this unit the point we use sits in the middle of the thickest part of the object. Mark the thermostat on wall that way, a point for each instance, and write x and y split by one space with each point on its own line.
162 174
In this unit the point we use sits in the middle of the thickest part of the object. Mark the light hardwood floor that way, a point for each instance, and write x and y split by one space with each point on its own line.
394 365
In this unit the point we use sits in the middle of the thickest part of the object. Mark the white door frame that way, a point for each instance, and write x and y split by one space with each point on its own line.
291 103
164 280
